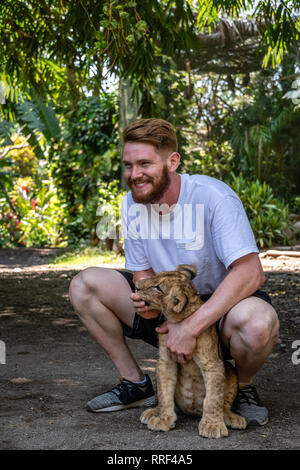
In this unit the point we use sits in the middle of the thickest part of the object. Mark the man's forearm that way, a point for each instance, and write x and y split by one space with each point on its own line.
243 279
143 274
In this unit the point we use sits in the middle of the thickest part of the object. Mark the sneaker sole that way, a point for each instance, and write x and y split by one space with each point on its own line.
150 401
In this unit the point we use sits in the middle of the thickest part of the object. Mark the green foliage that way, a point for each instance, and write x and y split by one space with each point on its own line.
109 211
62 203
142 35
170 100
84 158
295 205
9 226
55 53
60 43
268 216
37 218
32 214
32 115
264 134
211 159
278 19
60 46
85 256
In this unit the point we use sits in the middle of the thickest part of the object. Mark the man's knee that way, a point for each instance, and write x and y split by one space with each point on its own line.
82 286
256 322
262 333
95 287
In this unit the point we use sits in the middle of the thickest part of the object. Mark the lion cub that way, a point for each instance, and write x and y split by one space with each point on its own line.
202 386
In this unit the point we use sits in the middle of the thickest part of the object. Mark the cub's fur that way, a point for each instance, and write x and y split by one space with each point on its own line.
202 386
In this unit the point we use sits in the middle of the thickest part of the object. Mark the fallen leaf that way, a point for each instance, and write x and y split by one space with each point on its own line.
20 380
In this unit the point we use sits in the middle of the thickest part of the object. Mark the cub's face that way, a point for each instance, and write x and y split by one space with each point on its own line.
169 291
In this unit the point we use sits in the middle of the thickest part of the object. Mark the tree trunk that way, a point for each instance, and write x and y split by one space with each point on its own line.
128 111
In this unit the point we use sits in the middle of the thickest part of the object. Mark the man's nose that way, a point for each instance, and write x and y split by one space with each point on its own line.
136 172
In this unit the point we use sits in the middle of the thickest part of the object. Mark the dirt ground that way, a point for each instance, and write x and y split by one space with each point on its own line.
52 367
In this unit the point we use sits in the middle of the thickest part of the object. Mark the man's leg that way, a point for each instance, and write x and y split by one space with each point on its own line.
250 331
101 298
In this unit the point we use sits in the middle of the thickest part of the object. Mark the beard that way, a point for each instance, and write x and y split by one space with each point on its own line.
159 187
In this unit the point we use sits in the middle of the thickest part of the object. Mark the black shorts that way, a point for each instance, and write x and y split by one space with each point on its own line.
142 328
145 329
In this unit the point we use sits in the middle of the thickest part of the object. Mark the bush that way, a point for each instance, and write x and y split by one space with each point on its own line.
109 210
83 158
295 205
9 226
268 216
37 217
211 159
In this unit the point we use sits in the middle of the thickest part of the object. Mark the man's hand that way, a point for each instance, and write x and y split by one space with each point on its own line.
181 342
141 308
139 305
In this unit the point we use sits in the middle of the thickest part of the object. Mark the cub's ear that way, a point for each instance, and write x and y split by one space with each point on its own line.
176 300
189 270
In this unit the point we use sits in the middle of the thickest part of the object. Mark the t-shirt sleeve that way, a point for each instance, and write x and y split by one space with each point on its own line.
135 256
231 231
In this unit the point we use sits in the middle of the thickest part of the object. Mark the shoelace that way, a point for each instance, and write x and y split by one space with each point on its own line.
118 389
249 395
123 388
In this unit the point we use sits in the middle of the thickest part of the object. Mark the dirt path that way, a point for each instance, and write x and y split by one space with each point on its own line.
53 367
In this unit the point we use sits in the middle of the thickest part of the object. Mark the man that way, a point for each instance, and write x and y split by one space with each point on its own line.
169 219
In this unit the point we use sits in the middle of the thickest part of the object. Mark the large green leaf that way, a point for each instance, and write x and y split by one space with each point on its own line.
48 118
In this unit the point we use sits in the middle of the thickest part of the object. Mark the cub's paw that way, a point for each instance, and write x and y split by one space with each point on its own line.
162 422
235 421
212 430
148 414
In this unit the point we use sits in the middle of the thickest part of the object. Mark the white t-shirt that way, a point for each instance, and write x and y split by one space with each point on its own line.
208 227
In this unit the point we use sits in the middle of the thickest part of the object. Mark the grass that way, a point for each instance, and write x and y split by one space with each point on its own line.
86 256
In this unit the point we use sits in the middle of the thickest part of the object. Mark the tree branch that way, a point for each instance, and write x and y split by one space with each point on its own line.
9 148
231 48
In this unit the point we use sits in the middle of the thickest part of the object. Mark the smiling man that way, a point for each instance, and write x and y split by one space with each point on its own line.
148 176
169 219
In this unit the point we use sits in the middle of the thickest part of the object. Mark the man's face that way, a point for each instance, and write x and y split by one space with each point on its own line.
145 172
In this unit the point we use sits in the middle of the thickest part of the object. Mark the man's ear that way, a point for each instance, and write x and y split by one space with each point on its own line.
189 270
173 161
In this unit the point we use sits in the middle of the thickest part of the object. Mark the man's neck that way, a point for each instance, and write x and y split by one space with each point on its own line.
171 196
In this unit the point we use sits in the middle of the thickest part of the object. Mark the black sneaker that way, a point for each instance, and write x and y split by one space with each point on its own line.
125 395
248 405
